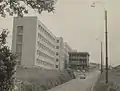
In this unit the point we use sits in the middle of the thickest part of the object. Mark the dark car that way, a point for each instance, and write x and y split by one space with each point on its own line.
82 76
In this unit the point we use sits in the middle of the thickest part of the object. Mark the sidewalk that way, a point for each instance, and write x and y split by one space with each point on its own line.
113 82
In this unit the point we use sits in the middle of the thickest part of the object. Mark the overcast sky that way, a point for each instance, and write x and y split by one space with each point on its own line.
80 25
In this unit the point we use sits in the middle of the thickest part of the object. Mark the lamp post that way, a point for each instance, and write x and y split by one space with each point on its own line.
101 58
106 42
101 54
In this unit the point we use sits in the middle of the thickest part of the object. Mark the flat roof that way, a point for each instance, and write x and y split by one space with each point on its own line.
87 53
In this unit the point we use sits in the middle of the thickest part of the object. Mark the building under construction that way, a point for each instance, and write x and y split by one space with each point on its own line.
79 60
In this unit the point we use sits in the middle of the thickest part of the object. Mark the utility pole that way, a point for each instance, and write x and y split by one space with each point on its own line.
101 58
101 54
106 42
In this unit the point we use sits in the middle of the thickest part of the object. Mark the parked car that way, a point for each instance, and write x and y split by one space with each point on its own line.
82 76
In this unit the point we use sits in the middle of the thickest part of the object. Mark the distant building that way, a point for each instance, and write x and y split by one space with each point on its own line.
67 49
79 60
34 43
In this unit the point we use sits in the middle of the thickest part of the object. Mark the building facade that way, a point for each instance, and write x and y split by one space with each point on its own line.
34 43
79 60
37 46
62 56
59 53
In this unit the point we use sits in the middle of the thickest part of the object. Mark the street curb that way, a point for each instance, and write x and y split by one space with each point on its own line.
92 88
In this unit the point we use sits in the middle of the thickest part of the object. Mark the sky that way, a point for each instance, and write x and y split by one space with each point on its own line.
80 24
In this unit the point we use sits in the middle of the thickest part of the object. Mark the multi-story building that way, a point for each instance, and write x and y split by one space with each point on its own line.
36 46
79 60
34 43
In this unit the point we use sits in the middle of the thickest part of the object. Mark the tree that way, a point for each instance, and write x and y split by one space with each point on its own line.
7 64
7 59
15 7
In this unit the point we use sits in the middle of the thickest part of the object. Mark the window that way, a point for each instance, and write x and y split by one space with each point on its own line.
57 41
37 60
57 47
57 60
39 26
19 34
37 52
19 59
39 35
18 48
19 51
56 66
38 44
19 39
57 53
19 29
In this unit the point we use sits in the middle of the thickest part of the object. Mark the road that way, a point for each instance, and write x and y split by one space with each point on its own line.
78 84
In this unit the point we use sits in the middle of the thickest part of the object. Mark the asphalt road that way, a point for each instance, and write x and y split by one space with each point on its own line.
78 84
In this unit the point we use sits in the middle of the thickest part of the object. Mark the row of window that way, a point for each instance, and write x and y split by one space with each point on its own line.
78 62
44 63
46 33
83 62
40 45
78 57
45 40
45 55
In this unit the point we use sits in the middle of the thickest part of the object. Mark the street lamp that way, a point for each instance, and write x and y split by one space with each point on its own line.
101 55
106 41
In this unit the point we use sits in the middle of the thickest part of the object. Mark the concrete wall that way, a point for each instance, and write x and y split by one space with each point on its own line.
29 39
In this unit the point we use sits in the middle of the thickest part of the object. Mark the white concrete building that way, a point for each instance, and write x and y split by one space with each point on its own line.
34 43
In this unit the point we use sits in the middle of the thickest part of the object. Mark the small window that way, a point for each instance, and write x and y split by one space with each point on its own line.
57 41
57 47
19 29
18 48
38 25
57 60
19 38
37 52
37 60
57 53
56 66
39 36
